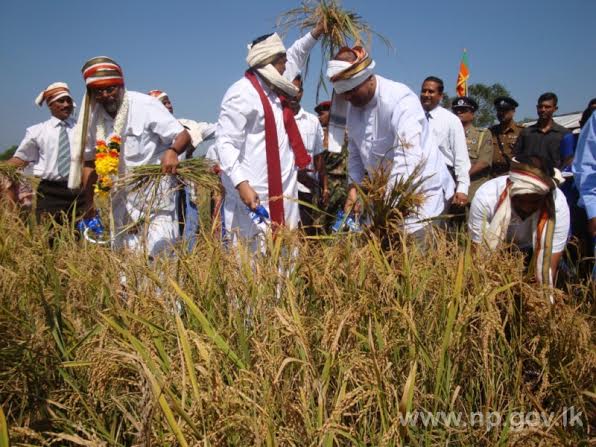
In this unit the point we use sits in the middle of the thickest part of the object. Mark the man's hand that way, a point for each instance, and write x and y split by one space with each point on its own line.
352 203
248 195
592 227
319 29
169 161
460 199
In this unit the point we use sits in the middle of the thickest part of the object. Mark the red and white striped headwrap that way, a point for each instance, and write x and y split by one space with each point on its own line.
157 94
53 92
101 71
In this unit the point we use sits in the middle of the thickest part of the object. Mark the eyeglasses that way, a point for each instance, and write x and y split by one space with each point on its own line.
105 91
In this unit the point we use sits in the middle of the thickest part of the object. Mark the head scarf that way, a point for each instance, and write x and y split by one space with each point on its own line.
259 58
98 72
345 76
157 94
53 92
525 179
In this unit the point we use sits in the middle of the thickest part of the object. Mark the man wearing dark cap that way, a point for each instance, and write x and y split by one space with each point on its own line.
479 142
504 135
543 139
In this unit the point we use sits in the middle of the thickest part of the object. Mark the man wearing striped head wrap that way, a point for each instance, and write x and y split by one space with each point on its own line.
47 147
259 145
147 134
526 209
386 128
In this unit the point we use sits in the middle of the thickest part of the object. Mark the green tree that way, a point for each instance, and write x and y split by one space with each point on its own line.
446 101
485 96
8 153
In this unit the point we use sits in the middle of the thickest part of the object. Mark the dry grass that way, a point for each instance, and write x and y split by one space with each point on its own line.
329 348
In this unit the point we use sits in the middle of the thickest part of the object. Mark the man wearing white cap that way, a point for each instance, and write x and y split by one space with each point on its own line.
47 147
258 142
188 213
138 130
387 127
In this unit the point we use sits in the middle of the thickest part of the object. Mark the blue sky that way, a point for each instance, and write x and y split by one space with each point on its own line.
195 50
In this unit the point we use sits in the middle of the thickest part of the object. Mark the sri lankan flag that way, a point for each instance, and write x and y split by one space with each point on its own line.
462 77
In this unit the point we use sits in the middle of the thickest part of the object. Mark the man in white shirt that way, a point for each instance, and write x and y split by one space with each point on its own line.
188 213
47 147
314 176
144 220
258 141
526 209
386 125
449 135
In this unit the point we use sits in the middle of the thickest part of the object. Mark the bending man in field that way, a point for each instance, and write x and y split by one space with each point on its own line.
147 134
526 209
387 127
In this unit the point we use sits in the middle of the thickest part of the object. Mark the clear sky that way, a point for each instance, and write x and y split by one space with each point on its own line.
196 49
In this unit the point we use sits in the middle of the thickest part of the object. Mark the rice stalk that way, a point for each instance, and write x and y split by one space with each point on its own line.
342 27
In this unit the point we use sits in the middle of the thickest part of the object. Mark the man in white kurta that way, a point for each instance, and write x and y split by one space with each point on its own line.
144 220
241 143
449 136
386 124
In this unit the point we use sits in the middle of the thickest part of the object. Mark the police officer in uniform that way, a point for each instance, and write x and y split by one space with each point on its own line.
479 142
504 135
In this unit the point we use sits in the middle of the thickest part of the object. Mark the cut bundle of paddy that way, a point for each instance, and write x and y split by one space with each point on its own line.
341 27
388 203
10 172
198 172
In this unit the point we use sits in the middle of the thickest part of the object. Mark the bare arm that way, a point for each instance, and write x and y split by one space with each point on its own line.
169 160
478 167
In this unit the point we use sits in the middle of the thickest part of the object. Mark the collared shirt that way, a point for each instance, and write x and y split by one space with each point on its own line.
520 232
532 141
150 129
584 167
508 137
312 137
392 128
449 135
40 147
480 148
241 128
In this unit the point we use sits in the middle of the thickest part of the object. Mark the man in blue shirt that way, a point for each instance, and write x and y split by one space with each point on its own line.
584 170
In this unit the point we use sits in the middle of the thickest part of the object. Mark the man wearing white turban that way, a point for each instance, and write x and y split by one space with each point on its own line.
258 143
386 126
47 147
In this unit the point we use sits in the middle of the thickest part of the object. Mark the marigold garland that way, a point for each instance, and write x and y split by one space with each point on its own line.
107 158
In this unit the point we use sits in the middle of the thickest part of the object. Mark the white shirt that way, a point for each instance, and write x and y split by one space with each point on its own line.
392 128
150 129
520 232
240 135
312 137
40 147
451 139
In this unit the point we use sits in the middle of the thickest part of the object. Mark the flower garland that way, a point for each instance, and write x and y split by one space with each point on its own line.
107 155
